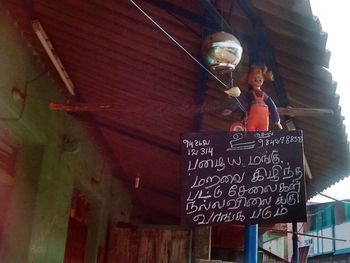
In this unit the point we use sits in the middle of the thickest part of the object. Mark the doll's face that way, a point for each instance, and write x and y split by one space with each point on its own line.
256 78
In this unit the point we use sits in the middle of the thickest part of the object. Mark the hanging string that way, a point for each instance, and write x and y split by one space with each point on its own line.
177 43
319 211
239 103
222 17
332 198
24 98
187 52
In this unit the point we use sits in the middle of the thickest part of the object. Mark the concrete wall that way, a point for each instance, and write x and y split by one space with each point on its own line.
320 246
342 231
48 168
277 246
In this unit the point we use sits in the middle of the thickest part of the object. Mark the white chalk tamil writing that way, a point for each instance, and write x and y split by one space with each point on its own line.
243 178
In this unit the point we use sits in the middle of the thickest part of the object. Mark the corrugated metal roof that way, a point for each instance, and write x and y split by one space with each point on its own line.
116 56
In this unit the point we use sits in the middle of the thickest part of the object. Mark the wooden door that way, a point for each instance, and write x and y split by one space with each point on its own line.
148 245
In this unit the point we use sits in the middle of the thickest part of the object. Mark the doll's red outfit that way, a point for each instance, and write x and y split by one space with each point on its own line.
260 107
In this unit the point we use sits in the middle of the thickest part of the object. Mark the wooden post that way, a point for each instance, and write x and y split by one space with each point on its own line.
201 243
295 243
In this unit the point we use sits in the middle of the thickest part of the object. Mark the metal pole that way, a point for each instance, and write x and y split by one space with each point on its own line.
251 244
295 243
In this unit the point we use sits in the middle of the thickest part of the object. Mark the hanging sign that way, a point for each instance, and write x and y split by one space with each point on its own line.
242 178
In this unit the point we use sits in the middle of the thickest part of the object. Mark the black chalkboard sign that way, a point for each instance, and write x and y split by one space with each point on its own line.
242 178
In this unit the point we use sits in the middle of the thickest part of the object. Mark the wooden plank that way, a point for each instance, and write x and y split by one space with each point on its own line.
148 245
305 112
201 243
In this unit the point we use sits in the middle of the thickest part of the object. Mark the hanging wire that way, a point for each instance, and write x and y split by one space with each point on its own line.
177 43
24 99
334 199
187 52
231 85
301 227
222 17
320 211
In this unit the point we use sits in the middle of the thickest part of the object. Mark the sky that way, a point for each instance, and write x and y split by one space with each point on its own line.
333 15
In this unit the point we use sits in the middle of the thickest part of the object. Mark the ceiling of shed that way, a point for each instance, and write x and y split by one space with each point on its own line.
115 56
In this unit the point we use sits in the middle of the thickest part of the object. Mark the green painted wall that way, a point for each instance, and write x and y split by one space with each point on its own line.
46 171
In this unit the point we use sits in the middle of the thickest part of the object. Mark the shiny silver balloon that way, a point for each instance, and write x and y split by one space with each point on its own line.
222 52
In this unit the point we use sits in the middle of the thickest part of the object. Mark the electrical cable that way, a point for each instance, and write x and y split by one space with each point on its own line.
26 85
176 42
320 211
187 52
334 199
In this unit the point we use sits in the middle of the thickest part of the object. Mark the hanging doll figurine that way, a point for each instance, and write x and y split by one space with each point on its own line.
260 105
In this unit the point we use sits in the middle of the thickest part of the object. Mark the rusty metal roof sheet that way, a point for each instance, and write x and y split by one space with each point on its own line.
115 56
